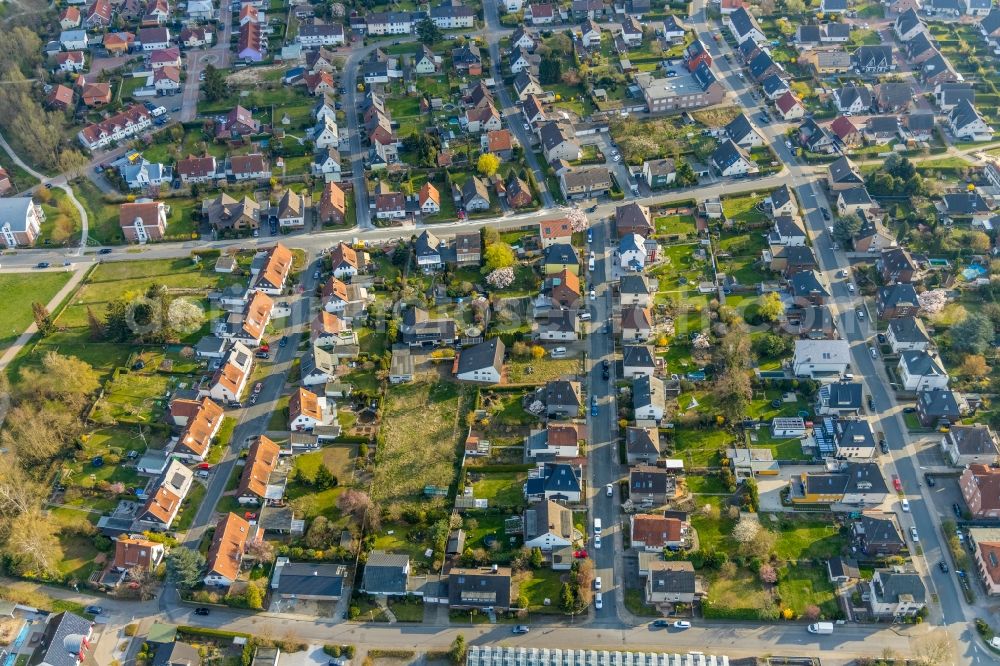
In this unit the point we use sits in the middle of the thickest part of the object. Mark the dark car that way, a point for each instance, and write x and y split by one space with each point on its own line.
943 566
201 610
605 364
42 264
283 342
592 209
909 410
825 212
883 446
262 354
930 480
871 403
94 610
520 629
105 250
660 623
606 375
881 338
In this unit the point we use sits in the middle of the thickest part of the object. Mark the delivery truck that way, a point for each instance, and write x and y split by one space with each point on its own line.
820 628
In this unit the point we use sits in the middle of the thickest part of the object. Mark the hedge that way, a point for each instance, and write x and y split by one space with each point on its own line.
211 633
391 654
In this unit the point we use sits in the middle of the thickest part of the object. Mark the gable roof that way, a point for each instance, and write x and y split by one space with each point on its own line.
487 354
262 460
228 543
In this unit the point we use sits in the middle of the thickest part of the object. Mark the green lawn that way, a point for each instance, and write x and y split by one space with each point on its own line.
675 224
62 221
19 291
743 208
737 595
102 215
136 397
700 448
542 370
801 586
407 609
802 539
501 489
542 584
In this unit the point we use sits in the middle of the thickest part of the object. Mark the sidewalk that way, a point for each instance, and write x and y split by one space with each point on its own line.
25 337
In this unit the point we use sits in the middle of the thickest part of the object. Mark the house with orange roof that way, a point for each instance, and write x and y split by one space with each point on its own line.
225 555
429 199
164 502
61 97
270 279
329 330
118 43
262 461
249 325
132 552
143 221
231 378
344 261
555 231
332 204
96 94
499 142
200 430
306 410
985 543
653 533
70 61
69 18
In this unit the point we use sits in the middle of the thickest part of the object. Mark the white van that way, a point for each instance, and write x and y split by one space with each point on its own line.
597 525
585 316
559 352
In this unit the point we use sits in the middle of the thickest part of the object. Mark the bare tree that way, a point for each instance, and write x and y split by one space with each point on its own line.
32 543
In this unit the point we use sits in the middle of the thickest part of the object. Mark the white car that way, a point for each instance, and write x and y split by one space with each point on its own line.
904 504
593 294
861 313
610 490
597 583
597 541
617 158
850 287
598 601
681 624
914 535
872 351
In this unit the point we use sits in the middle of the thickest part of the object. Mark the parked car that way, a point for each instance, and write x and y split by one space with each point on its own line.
905 505
957 509
883 446
42 264
681 624
897 484
283 342
610 490
598 601
943 566
930 480
257 387
660 623
597 583
881 338
520 629
826 214
597 541
201 610
913 534
262 354
94 610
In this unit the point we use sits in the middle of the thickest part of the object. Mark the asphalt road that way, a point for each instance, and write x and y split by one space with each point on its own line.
253 419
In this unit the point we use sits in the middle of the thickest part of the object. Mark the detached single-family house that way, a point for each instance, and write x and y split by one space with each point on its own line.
965 445
648 398
481 363
225 555
919 371
821 358
548 525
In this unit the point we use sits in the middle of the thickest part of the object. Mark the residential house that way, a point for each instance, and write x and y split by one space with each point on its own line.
908 25
481 363
774 87
789 107
880 130
254 487
872 236
659 173
682 92
344 261
805 287
70 61
562 398
636 323
225 213
427 249
590 33
74 40
980 486
225 554
549 526
898 300
162 504
852 200
857 483
648 398
895 266
479 588
842 174
132 552
741 132
840 398
518 193
895 594
642 445
273 272
468 249
939 407
326 163
853 98
730 159
893 97
967 124
526 84
119 127
637 360
312 35
671 582
386 574
20 221
193 169
919 371
453 15
558 142
743 26
907 334
790 259
654 533
873 59
417 328
696 53
787 230
651 486
555 231
231 377
248 167
64 641
585 182
332 205
636 289
200 430
966 445
821 358
985 544
559 482
633 218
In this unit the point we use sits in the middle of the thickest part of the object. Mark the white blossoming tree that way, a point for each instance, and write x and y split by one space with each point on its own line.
501 278
933 301
577 220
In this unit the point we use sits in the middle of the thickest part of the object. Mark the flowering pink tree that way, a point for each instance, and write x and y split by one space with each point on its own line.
768 574
577 220
933 301
501 278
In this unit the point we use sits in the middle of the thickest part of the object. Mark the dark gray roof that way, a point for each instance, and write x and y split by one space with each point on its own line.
842 171
523 79
552 134
855 433
310 578
907 20
873 56
922 364
897 259
417 326
386 572
474 188
556 478
479 587
780 197
673 580
632 216
562 392
743 22
843 568
739 128
637 356
897 294
934 65
954 92
760 63
895 585
727 154
939 403
561 253
452 11
806 283
851 93
645 479
991 23
855 196
635 284
53 649
661 167
704 76
908 329
796 255
773 83
973 440
808 34
177 654
877 530
548 517
864 477
919 44
788 226
887 125
484 355
919 121
893 94
427 245
638 441
842 395
964 114
647 390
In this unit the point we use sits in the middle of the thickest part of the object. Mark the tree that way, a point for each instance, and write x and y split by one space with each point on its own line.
501 278
734 350
811 613
184 567
685 175
795 6
488 164
145 583
498 255
458 650
427 31
43 320
72 163
566 598
63 377
745 530
261 550
978 242
846 227
732 393
549 70
771 345
360 507
254 596
324 478
321 533
771 308
536 558
214 86
972 335
974 365
32 544
537 352
767 574
182 317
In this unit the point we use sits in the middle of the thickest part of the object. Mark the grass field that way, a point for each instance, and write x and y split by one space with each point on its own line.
699 448
420 431
18 291
502 489
800 539
539 585
804 585
542 370
743 209
740 593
